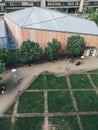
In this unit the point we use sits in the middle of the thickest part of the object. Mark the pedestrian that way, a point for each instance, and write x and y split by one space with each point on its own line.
66 67
18 91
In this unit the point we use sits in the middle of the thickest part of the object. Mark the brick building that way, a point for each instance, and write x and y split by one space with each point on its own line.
42 25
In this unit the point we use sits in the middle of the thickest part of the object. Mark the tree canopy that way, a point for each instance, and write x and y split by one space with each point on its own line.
13 58
90 10
75 46
2 67
52 50
30 52
92 14
94 17
3 55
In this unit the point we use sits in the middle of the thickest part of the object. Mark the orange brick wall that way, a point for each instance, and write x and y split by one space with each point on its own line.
42 37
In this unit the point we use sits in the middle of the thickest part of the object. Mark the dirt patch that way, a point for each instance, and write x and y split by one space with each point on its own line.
52 127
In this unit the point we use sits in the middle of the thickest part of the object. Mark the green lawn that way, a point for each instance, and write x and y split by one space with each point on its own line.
86 100
52 97
96 70
89 122
38 83
10 109
63 123
95 79
79 81
31 103
59 101
5 123
54 82
49 81
29 123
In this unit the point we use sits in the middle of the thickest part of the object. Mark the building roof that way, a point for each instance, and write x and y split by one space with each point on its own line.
3 36
46 19
2 29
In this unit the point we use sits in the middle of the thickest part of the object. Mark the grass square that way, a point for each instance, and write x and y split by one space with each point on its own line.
95 70
60 101
89 122
63 123
95 79
54 82
29 123
10 109
38 83
5 123
80 81
86 101
31 103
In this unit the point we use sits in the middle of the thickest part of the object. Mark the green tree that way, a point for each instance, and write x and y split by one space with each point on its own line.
52 50
3 55
2 67
94 17
90 10
13 58
30 52
75 46
10 58
92 14
3 60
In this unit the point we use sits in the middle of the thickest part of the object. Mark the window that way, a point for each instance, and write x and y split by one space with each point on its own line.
36 4
10 4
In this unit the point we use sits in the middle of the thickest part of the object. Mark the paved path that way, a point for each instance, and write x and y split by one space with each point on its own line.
26 74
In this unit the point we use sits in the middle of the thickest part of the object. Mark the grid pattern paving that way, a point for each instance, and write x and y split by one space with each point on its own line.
68 102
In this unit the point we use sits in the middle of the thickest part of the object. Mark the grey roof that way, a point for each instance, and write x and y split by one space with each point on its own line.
2 29
3 36
46 19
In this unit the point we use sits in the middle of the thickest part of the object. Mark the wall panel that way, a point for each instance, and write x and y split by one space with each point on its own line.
43 37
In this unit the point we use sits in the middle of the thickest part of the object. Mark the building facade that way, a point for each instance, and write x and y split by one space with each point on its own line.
71 6
42 25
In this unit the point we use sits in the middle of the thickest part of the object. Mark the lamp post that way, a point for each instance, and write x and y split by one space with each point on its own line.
14 74
82 57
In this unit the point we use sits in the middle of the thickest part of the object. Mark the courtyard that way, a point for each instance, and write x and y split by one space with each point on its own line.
53 102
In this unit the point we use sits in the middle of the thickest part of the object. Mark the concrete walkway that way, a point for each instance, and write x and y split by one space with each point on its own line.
26 74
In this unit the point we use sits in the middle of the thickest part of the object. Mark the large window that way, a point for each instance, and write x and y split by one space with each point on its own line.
93 3
10 4
2 8
27 3
55 3
36 4
61 3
